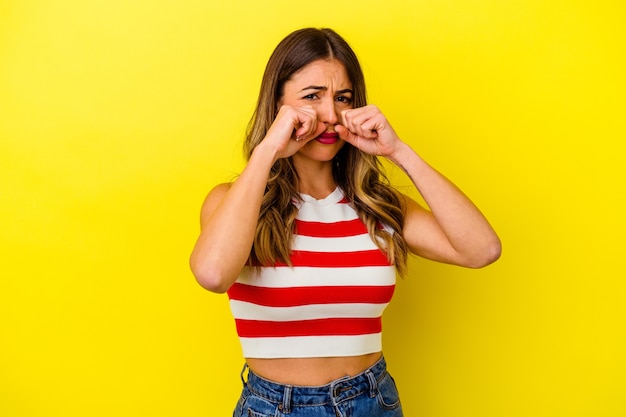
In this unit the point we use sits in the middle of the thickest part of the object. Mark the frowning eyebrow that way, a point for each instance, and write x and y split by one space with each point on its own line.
322 88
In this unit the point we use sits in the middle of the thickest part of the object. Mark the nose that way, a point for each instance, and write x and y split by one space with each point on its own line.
327 111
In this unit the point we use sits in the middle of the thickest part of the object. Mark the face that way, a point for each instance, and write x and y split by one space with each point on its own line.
325 86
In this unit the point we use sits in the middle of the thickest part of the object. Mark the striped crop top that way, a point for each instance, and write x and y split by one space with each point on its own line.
330 302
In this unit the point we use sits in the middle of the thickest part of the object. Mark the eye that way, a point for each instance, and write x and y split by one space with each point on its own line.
344 99
311 96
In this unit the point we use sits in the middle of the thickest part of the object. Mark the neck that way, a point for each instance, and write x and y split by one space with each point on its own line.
315 177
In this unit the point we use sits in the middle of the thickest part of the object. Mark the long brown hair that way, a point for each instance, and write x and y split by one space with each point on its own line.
358 174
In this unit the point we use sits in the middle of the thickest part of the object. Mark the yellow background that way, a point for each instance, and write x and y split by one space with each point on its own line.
116 118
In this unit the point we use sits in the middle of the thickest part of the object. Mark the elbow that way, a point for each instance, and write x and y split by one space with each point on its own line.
210 277
211 281
490 253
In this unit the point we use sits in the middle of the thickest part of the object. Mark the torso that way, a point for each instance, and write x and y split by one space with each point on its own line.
319 320
311 371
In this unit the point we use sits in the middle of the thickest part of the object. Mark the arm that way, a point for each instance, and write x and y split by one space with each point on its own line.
453 230
230 212
228 221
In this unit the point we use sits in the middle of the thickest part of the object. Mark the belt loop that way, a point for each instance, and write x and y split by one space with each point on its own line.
286 405
373 384
243 371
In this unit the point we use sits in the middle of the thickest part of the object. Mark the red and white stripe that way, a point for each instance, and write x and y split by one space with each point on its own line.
330 302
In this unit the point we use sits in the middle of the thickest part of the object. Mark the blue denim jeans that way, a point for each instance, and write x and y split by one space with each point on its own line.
372 393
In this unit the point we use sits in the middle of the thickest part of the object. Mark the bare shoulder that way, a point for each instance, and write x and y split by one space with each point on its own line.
219 190
423 233
412 207
213 199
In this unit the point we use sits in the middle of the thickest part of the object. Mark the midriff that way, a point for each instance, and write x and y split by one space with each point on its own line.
311 371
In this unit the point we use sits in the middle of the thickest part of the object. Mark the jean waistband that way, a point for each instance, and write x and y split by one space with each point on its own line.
288 396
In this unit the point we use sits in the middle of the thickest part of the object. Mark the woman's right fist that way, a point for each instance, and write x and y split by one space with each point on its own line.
293 128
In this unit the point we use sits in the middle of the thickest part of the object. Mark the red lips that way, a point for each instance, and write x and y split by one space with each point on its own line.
328 138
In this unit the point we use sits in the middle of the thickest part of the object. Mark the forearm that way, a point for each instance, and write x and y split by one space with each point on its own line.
468 232
228 230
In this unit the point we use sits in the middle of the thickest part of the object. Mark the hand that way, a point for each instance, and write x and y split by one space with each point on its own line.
293 128
367 129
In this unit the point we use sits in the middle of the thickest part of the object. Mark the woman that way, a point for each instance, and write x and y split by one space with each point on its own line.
308 239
